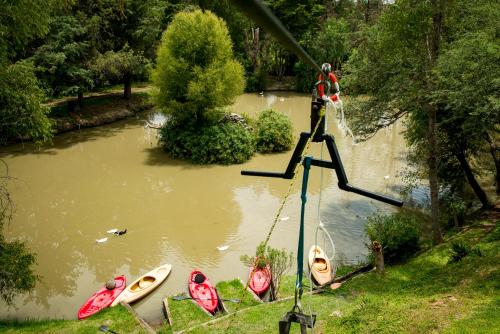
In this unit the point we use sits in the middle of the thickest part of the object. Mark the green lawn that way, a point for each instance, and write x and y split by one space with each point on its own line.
117 319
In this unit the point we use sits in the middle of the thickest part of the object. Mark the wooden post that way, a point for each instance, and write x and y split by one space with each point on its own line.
141 321
166 310
379 257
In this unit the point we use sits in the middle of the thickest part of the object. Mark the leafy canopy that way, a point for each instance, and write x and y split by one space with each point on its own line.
116 66
22 114
196 72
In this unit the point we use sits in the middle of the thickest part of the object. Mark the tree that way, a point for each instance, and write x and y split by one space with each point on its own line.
22 115
195 73
467 92
22 21
330 43
62 62
122 66
16 262
393 65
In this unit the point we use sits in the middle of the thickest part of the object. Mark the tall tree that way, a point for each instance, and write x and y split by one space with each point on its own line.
394 65
122 66
194 78
467 93
62 63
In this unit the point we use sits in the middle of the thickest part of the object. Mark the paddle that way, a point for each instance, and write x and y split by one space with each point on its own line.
105 328
187 297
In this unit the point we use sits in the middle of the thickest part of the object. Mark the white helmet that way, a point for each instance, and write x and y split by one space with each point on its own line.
326 68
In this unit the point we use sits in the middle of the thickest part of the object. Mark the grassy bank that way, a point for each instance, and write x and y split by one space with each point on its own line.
117 319
425 295
428 294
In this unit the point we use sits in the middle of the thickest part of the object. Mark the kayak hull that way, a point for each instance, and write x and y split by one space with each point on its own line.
203 293
102 299
319 265
143 285
260 280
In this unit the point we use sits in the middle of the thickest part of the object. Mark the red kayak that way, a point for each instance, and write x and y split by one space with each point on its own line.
203 292
260 279
102 298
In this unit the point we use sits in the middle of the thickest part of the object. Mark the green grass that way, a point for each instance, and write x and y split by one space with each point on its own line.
117 319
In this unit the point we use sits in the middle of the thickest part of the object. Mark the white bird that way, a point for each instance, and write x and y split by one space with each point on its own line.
387 177
112 231
100 241
284 218
222 248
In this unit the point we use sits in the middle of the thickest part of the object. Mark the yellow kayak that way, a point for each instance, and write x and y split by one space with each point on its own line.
143 285
319 265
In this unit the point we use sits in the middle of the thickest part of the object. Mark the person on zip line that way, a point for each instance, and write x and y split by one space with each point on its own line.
331 81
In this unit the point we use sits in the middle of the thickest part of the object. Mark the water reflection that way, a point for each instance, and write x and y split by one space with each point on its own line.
69 194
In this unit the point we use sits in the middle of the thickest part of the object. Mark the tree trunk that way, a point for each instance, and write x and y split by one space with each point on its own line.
481 195
494 153
127 87
80 99
434 44
433 174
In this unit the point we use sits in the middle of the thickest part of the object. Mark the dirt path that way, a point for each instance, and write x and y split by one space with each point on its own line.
112 92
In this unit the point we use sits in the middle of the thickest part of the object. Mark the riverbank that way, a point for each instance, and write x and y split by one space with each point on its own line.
99 109
426 295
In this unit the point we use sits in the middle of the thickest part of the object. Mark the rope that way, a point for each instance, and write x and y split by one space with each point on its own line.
292 182
278 214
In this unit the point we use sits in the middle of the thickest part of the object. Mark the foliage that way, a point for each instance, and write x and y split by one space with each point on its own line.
22 115
61 62
468 86
279 261
117 66
220 143
328 45
274 132
16 270
459 250
196 73
121 66
22 21
399 235
16 262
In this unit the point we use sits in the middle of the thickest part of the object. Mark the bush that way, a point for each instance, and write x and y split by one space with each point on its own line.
274 132
398 234
22 115
459 250
196 72
220 143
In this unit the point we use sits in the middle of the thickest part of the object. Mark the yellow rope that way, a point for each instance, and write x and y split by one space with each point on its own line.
276 218
292 182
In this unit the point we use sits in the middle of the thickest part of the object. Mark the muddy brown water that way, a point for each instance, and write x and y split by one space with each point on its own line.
69 194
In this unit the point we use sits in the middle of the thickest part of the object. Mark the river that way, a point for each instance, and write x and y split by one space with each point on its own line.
70 193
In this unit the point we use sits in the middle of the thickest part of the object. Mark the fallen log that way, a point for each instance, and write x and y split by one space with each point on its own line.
347 276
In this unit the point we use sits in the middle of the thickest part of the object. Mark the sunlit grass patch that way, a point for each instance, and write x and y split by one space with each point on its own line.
116 319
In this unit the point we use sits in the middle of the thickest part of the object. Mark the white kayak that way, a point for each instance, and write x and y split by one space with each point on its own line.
143 285
319 265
